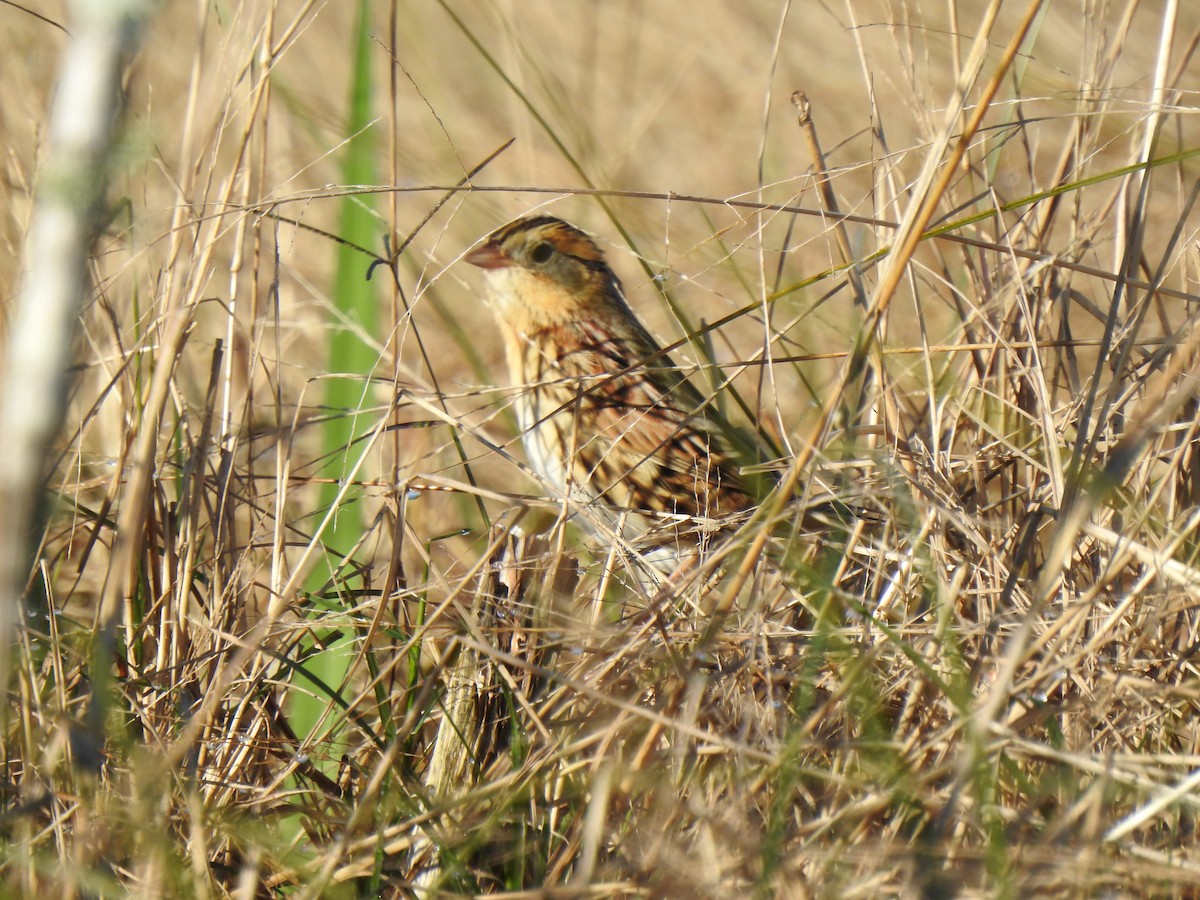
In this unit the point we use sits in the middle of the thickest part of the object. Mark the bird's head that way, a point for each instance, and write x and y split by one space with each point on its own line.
543 272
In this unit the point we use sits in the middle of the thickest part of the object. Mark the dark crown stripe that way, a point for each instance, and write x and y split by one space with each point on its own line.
529 224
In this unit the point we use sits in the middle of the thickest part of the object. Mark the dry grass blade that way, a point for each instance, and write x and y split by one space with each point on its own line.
59 242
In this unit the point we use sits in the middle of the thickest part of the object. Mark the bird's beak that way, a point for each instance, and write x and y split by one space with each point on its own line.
488 256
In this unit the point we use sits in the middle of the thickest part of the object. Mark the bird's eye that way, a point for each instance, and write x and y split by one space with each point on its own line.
541 252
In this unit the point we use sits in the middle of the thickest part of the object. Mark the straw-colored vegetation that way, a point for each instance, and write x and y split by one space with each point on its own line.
356 652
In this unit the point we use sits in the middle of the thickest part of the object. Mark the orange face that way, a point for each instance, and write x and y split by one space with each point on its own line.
543 272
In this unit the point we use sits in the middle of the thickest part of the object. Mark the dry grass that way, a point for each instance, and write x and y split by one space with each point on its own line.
361 677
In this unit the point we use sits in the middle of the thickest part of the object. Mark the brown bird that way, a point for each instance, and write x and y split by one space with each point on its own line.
606 418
